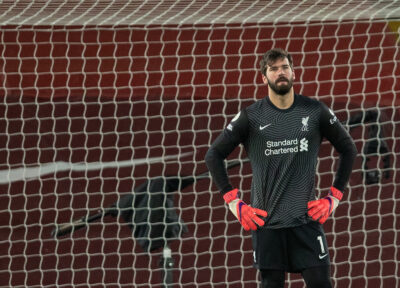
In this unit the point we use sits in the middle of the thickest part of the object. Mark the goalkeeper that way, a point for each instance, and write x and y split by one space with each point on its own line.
282 134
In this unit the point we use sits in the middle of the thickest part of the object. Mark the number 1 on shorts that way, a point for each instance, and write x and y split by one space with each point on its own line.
322 244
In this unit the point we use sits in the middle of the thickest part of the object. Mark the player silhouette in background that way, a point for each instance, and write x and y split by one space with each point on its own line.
282 134
374 146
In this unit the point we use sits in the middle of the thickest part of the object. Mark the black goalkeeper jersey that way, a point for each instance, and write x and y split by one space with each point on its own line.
282 146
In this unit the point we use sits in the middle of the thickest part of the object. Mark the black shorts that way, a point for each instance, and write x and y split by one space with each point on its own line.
290 249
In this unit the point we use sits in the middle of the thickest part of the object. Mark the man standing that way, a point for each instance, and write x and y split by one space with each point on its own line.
281 134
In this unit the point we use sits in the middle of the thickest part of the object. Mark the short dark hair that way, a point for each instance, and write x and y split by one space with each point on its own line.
271 56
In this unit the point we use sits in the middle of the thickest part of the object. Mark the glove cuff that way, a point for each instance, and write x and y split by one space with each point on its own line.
333 203
336 193
235 206
231 195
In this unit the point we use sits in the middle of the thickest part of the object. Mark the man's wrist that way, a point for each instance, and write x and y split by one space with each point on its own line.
231 195
336 193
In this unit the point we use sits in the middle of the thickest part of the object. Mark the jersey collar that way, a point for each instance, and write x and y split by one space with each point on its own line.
296 97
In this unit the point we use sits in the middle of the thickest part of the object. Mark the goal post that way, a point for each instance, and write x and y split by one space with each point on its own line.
98 97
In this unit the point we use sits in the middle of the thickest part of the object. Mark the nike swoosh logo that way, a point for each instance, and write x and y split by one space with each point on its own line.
265 126
322 256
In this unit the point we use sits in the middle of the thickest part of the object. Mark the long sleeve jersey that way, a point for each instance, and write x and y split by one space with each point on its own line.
283 147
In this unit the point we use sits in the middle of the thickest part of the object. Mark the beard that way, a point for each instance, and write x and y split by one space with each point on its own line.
283 88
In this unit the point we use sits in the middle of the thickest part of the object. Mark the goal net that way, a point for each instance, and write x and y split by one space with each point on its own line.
99 98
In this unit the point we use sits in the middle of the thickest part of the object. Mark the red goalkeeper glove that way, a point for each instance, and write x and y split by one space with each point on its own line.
246 214
319 210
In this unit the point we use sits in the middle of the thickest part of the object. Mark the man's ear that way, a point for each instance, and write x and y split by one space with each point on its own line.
264 78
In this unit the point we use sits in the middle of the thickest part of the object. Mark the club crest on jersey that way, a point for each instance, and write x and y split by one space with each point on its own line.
334 118
230 127
304 121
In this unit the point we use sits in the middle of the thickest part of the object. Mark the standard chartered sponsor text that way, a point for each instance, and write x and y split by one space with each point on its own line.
286 142
282 147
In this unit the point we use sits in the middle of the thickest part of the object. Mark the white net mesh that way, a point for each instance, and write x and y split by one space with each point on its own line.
98 97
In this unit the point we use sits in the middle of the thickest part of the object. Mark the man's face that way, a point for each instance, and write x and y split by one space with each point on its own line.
279 76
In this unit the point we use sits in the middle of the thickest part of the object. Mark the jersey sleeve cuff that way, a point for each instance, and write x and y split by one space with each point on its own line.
226 189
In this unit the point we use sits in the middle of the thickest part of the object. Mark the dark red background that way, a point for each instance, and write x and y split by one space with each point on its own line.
103 94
